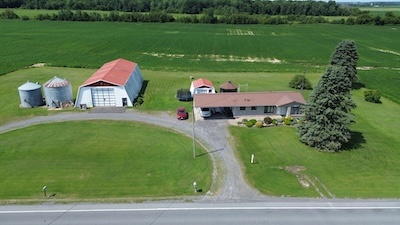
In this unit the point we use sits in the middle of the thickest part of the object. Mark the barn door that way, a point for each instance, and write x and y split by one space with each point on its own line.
103 97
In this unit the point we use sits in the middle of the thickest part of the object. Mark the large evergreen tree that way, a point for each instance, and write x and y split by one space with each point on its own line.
346 56
327 113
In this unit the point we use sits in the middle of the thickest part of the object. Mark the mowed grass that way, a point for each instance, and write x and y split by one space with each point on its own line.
159 94
387 81
368 168
99 159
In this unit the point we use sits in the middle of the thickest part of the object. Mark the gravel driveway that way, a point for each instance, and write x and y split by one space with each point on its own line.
228 183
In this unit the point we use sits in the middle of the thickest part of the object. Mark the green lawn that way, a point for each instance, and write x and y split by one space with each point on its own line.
368 168
99 159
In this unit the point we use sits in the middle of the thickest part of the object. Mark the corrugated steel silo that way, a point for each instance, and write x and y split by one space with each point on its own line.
56 91
30 95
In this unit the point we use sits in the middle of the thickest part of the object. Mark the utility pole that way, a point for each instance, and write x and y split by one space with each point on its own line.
194 139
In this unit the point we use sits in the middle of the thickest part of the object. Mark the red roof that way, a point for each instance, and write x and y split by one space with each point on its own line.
201 83
116 72
237 99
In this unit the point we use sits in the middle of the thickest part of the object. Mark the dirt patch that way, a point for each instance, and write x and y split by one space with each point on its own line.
36 65
296 171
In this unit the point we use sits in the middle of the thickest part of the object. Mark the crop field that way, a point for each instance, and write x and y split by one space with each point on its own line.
193 47
368 168
105 159
381 10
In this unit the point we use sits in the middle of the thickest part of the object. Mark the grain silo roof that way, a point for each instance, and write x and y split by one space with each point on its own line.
56 82
29 86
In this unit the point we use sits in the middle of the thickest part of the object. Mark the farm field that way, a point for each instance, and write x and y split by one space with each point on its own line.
368 168
381 10
194 47
104 160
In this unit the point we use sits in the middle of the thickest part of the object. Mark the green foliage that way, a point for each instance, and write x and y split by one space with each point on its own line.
8 14
372 96
253 121
300 82
346 56
327 113
287 120
249 124
275 122
267 120
244 120
139 101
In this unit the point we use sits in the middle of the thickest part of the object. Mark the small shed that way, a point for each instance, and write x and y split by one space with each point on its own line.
228 87
201 86
30 95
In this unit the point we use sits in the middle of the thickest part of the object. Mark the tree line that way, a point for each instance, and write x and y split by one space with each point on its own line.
236 18
220 7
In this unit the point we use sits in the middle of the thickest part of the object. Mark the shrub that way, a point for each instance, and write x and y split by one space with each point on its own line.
249 124
267 120
372 96
300 82
239 122
254 121
139 101
8 14
244 120
259 124
275 122
24 17
287 122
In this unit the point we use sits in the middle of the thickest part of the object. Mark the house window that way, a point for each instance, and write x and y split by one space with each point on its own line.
269 109
296 110
242 108
253 108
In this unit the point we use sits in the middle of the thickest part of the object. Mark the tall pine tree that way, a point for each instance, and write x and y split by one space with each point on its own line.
327 113
346 56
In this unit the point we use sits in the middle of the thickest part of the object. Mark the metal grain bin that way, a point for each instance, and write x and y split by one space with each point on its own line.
30 95
56 91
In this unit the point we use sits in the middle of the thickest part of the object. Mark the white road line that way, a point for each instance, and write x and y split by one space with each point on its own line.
205 208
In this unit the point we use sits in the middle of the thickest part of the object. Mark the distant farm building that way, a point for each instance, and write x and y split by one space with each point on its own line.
30 95
201 86
228 87
57 91
253 103
116 83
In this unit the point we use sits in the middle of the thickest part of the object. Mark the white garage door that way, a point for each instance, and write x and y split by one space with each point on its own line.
103 97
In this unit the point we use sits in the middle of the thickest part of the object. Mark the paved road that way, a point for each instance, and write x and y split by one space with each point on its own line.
228 182
282 211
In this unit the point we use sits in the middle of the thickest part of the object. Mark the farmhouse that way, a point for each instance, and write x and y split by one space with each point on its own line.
116 83
201 86
252 103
